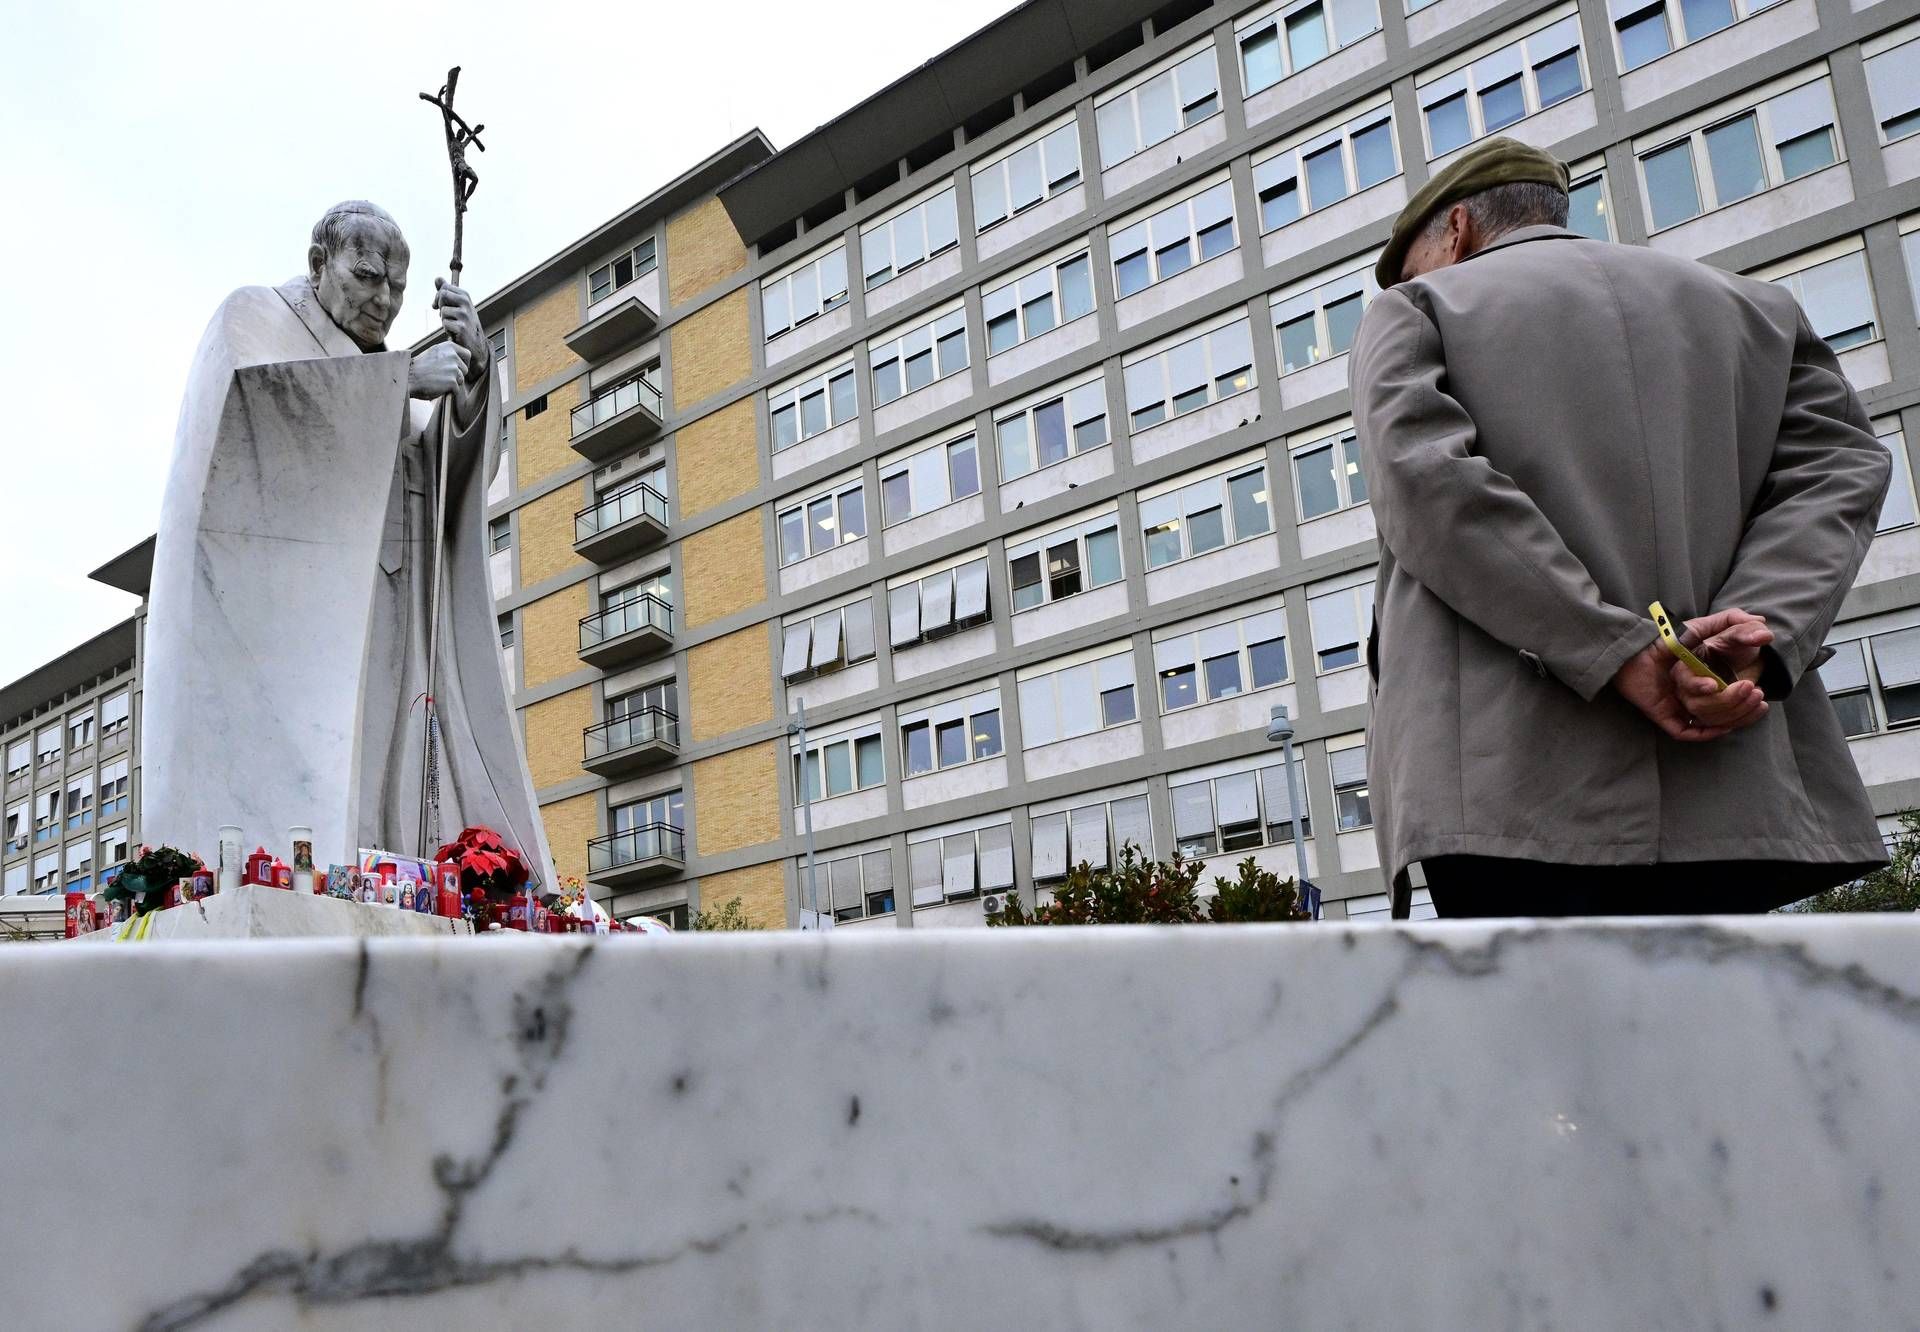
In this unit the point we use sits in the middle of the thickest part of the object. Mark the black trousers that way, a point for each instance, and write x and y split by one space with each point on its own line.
1467 886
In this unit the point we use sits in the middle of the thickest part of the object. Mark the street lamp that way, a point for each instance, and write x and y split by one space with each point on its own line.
1280 732
810 919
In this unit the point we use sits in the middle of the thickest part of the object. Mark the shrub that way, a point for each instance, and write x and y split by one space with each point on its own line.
1891 889
1151 892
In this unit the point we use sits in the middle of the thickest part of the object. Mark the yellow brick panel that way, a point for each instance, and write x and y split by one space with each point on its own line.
716 457
761 889
709 350
550 635
722 568
730 683
546 535
543 444
702 248
736 798
570 823
539 349
553 736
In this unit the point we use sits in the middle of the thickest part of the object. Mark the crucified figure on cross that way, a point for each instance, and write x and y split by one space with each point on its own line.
465 179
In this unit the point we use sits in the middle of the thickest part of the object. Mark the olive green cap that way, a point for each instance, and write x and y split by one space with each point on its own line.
1497 161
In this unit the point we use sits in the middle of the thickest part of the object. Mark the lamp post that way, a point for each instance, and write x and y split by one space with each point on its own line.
810 917
1280 732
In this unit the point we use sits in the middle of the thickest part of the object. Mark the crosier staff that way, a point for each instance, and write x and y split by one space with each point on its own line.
465 181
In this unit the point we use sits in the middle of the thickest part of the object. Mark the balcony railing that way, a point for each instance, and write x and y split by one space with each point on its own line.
617 401
635 501
648 843
647 611
646 726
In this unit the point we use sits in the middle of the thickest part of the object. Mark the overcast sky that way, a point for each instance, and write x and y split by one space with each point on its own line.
159 155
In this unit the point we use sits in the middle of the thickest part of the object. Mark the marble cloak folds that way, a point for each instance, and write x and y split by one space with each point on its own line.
286 635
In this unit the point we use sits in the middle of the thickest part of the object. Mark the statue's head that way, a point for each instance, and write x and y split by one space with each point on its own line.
358 263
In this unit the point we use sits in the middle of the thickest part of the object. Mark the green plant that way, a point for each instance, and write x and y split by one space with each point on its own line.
145 879
1258 894
1895 888
1134 892
730 915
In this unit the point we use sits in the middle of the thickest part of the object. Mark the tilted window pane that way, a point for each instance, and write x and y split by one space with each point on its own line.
1307 36
1247 494
1734 151
871 766
1343 321
1299 343
1326 176
1373 155
1502 104
1808 153
1447 124
1586 209
1260 58
1350 464
1671 192
1845 669
1076 288
1558 79
1703 17
1319 492
859 629
1103 557
1643 37
1193 817
1050 432
1268 661
1897 509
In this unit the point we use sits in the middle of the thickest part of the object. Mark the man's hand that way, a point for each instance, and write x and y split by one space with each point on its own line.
457 316
437 371
1652 679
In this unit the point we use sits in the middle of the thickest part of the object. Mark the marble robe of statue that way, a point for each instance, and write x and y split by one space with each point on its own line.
286 640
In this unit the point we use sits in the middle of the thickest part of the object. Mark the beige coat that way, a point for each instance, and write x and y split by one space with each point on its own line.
1554 434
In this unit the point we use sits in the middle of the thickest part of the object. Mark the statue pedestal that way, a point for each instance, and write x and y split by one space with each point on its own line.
252 912
1626 1124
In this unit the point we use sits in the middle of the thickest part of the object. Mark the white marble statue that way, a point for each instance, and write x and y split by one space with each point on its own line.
286 640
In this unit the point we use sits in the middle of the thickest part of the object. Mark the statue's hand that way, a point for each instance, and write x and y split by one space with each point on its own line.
458 317
437 371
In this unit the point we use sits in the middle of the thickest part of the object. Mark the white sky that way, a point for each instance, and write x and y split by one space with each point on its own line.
159 155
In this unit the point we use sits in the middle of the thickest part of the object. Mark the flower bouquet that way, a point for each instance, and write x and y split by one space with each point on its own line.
144 880
486 862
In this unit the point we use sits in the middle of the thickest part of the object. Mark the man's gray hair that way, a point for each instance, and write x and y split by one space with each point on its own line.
1506 208
336 225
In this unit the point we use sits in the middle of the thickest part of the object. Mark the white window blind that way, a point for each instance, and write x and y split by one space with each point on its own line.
1087 830
996 857
826 639
1846 669
844 876
876 869
1349 766
1193 810
1239 797
1898 657
1132 824
970 594
903 614
1050 846
924 867
794 653
957 863
1894 77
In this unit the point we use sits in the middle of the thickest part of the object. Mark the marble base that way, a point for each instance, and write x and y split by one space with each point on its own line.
253 912
1631 1125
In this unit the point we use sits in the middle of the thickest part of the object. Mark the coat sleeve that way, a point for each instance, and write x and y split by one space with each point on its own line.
1462 528
1815 516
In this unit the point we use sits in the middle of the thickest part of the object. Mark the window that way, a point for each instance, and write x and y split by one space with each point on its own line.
1238 811
500 535
645 602
902 242
1038 302
963 731
46 872
497 348
1910 250
803 294
1065 563
113 846
1648 29
47 746
1095 835
1189 375
79 732
1348 765
1874 681
820 522
1172 240
914 359
928 480
816 644
1341 621
1205 515
46 816
1837 297
937 604
1157 108
959 865
838 765
535 406
1318 323
79 862
1587 207
1502 87
650 713
1036 170
17 831
1221 660
1893 79
1897 510
641 389
1052 430
1077 700
506 630
1333 164
16 878
618 271
811 407
113 716
19 758
1735 156
642 830
855 887
1284 41
79 803
1327 475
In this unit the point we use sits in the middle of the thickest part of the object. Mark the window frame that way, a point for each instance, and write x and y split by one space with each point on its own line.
1312 290
1273 18
853 737
1052 182
1267 803
1272 168
1755 103
1185 648
1161 352
807 626
1124 678
1462 76
1080 532
972 711
902 465
641 267
1789 274
1335 437
837 492
924 207
1181 523
1363 622
891 348
1028 411
789 396
1129 93
1151 248
1018 310
785 282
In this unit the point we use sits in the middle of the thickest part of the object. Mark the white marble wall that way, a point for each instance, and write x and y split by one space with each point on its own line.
1690 1124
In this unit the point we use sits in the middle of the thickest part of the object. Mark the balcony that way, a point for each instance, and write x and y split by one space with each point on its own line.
626 744
650 851
621 325
616 419
628 632
624 523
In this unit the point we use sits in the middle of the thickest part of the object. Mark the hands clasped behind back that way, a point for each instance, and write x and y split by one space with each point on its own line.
1693 708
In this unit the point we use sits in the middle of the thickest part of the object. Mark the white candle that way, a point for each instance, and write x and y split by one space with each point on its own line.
229 857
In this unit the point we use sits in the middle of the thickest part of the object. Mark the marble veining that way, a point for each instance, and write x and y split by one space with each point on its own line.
1688 1123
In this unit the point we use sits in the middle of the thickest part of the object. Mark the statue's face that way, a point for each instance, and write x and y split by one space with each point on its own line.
361 283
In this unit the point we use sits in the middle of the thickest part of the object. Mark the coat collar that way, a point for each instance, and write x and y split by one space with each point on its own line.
301 298
1521 235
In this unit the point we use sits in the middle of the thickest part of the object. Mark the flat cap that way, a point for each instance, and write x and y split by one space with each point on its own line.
1497 161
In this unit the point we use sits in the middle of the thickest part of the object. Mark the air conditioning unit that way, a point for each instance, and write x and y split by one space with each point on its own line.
994 903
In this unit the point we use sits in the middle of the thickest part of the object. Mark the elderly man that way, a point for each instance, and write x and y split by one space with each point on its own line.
1556 433
292 585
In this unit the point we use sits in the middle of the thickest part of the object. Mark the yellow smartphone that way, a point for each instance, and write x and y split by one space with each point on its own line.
1679 649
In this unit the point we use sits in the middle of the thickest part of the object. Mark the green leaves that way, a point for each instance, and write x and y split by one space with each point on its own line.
1151 892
